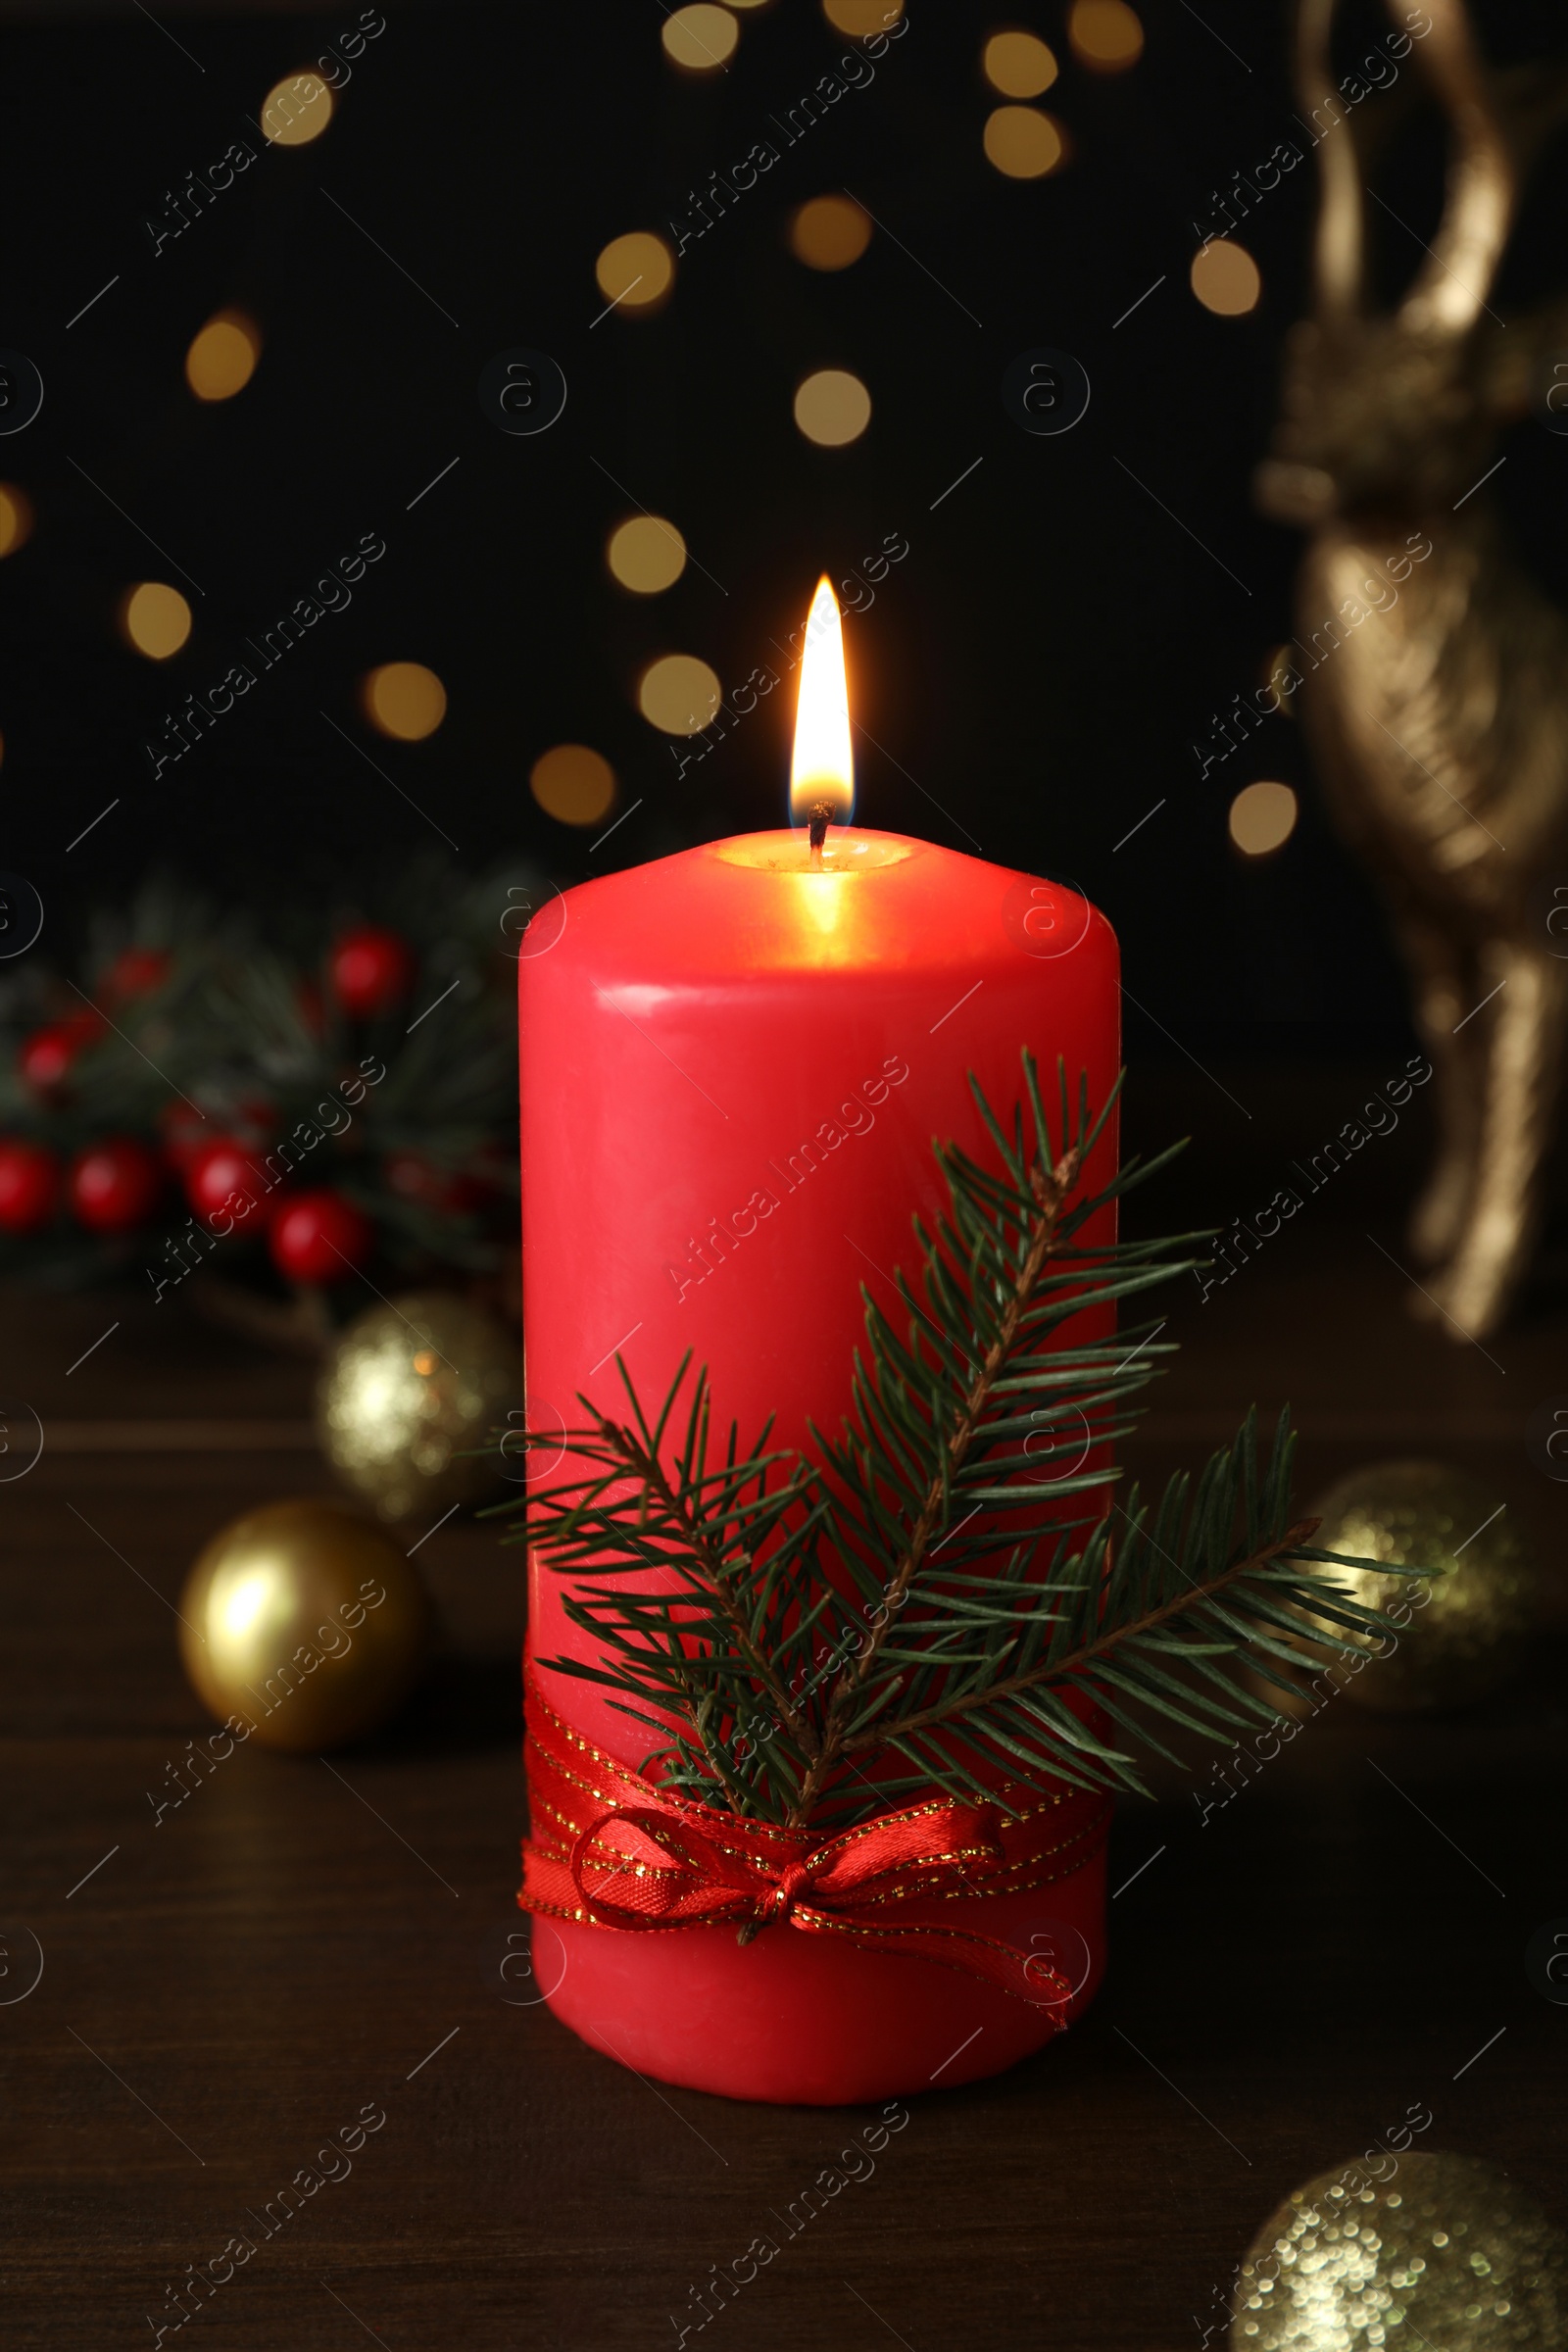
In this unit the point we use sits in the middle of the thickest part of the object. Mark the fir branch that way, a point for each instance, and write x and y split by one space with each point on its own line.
1007 1266
721 1572
728 1596
1080 1664
918 1608
1050 1190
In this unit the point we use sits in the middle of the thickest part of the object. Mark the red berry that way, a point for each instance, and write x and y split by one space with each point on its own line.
319 1236
115 1183
47 1055
215 1172
30 1184
138 971
372 971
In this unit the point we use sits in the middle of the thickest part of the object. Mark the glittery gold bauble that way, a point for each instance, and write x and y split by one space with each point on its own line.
1469 1617
1445 2252
306 1622
405 1392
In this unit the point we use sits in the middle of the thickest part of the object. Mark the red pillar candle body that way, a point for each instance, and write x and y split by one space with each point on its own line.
733 1069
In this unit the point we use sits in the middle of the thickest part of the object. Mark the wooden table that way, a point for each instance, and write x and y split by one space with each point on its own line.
222 1991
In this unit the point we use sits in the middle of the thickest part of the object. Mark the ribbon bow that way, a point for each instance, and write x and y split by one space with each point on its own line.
610 1849
925 1850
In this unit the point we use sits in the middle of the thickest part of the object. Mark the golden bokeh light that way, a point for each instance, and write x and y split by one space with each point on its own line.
572 783
829 232
404 699
678 693
832 407
156 619
700 38
646 553
296 110
636 270
16 519
1022 143
223 357
1226 278
1105 35
1263 818
1018 63
862 19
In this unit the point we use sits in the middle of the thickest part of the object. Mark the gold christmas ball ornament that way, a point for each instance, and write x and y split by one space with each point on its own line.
304 1621
1462 1626
1445 2252
405 1392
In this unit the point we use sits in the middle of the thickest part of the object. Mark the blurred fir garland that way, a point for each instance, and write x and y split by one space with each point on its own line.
268 1108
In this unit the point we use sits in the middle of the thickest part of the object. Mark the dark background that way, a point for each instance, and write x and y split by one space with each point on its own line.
1039 666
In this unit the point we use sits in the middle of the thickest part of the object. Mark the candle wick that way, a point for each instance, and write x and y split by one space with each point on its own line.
822 810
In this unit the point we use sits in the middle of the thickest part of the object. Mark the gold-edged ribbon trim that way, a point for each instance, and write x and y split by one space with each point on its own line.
610 1849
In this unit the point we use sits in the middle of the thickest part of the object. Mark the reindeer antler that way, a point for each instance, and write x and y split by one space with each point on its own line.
1451 286
1450 289
1339 257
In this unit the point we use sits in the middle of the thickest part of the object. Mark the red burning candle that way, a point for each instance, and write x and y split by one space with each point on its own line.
734 1064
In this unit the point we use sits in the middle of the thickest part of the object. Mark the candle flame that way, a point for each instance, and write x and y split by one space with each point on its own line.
822 768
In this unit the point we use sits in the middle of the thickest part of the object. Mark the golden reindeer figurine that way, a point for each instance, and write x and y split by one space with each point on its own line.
1438 706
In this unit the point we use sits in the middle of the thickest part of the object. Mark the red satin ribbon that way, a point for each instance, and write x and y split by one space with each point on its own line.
610 1849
